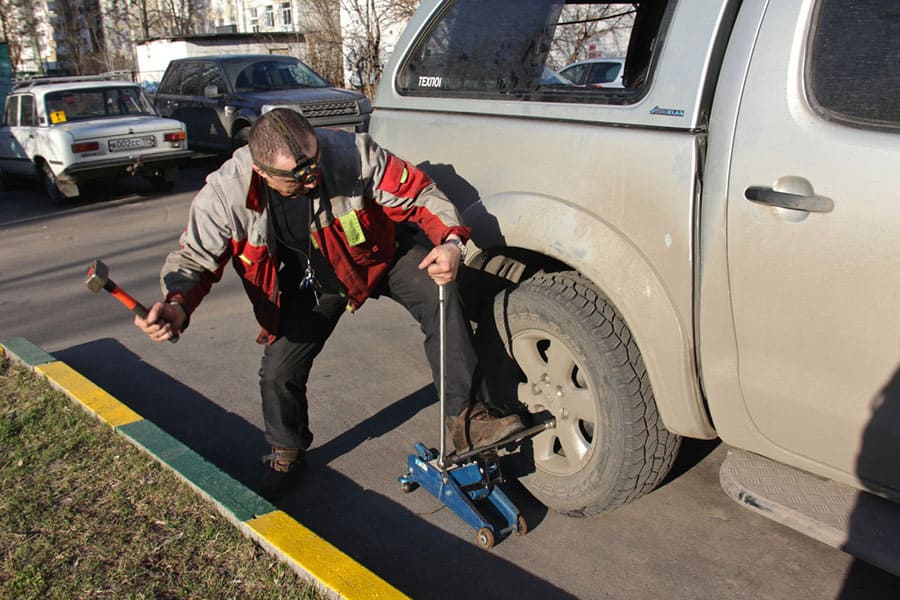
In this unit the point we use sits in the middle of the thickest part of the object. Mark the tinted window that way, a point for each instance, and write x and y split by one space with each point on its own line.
503 48
191 79
593 73
10 115
576 72
172 81
263 75
854 62
210 75
27 117
604 72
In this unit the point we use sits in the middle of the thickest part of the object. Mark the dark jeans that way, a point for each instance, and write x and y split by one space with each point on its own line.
304 327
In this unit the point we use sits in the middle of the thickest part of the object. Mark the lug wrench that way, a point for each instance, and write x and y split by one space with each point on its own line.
442 332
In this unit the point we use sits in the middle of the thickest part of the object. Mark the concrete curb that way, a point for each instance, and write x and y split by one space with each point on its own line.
335 573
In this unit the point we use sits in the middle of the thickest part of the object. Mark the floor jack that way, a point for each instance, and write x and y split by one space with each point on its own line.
459 480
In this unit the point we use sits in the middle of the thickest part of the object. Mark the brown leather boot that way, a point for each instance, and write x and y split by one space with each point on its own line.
476 427
283 466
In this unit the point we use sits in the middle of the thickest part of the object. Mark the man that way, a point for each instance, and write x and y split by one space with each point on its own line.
309 221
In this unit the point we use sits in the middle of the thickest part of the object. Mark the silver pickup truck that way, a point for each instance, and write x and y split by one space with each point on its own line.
710 250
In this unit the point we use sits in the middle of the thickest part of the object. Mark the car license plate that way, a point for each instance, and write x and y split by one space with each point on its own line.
132 143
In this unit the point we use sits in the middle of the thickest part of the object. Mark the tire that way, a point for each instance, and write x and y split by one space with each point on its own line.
48 180
575 359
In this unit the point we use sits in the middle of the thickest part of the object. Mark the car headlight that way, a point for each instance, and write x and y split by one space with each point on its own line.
267 107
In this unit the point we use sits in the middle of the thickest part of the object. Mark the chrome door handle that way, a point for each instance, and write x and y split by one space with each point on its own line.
808 203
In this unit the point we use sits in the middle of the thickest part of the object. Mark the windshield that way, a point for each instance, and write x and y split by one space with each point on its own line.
264 75
96 103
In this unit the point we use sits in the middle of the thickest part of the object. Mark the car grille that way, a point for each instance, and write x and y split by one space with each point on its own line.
324 110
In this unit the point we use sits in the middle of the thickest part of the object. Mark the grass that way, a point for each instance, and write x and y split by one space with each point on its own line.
83 514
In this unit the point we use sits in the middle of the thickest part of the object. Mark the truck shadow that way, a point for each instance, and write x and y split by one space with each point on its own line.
877 461
402 547
692 453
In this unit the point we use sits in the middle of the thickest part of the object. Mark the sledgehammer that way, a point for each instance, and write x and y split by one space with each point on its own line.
98 279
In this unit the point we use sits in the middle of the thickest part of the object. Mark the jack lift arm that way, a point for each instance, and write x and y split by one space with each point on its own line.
459 480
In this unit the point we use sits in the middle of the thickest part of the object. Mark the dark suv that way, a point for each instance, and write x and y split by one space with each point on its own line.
220 97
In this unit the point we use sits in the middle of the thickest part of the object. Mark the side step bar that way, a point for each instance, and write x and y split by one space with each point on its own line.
843 517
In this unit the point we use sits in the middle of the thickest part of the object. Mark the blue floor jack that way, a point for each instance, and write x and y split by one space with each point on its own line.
459 480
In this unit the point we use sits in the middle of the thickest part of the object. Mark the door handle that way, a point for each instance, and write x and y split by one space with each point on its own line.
804 202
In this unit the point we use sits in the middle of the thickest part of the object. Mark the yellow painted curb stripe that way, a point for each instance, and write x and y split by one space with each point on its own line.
322 561
93 398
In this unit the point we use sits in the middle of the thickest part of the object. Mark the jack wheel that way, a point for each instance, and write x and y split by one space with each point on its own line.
485 538
409 486
522 525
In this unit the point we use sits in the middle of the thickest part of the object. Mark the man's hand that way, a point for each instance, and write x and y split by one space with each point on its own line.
442 263
163 321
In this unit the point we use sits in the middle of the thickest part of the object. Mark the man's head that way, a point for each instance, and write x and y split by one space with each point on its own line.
285 151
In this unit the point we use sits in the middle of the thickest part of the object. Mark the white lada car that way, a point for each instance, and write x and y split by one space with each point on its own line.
66 131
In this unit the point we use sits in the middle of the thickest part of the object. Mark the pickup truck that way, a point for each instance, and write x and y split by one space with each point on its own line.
710 251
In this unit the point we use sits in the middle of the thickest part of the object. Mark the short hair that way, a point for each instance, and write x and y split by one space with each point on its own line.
268 136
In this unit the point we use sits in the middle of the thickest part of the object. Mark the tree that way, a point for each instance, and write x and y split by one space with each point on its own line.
79 34
322 19
182 17
363 44
584 30
352 31
19 28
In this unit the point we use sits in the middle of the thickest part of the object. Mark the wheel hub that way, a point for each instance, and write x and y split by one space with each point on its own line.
551 397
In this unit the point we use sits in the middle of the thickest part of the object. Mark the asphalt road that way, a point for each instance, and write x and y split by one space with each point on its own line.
372 399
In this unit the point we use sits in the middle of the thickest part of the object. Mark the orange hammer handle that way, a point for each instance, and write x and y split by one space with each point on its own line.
126 299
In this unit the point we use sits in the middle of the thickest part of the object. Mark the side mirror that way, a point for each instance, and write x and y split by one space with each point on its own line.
212 92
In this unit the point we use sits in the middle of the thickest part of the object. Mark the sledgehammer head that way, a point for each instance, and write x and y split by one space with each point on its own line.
97 276
98 279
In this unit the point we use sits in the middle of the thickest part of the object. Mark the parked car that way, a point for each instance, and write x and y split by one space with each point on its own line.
595 72
220 97
711 251
66 131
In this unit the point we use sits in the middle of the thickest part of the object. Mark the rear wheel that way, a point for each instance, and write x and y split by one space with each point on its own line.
577 361
51 187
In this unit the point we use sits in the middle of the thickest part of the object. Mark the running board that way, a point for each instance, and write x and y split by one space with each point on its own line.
859 523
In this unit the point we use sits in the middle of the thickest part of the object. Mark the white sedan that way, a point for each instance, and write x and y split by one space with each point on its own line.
66 131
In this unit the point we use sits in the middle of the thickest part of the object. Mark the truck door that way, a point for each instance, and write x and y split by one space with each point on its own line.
814 234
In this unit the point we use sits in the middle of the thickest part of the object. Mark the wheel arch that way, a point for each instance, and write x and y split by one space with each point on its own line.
240 122
510 225
67 186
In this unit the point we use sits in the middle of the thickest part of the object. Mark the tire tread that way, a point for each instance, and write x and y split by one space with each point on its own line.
650 448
